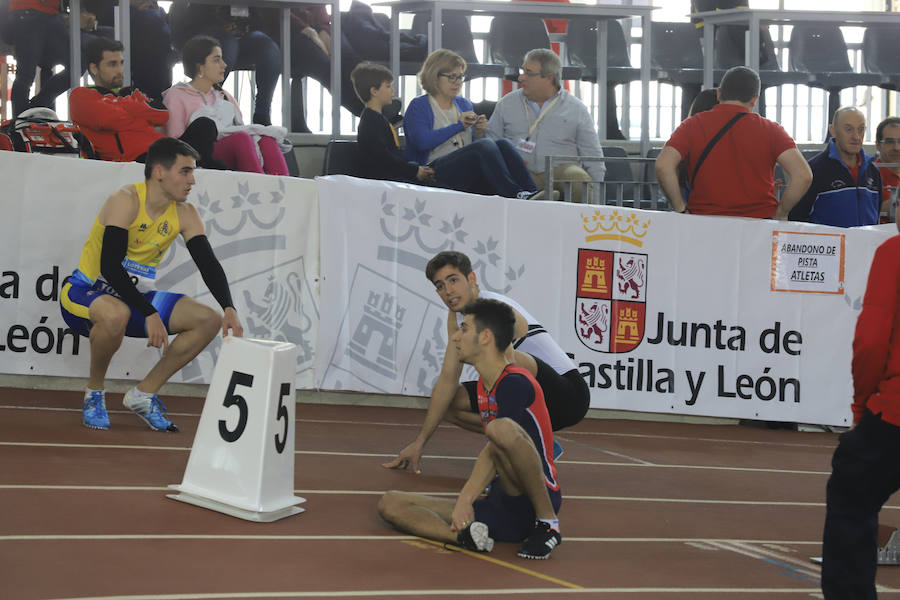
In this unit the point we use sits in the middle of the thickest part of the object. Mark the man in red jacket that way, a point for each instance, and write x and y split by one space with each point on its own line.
120 121
865 466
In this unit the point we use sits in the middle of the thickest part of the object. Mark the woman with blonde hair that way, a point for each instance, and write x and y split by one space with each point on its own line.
443 132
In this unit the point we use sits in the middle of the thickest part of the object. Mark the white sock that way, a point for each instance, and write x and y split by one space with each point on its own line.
553 523
88 391
141 394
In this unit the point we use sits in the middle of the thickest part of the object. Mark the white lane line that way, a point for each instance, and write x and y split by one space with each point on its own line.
393 537
568 432
86 488
570 441
624 456
696 501
436 456
701 439
780 557
785 556
630 499
459 592
109 410
702 467
104 537
92 446
790 563
197 415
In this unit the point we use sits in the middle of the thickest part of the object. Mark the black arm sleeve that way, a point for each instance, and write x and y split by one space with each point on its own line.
210 269
115 244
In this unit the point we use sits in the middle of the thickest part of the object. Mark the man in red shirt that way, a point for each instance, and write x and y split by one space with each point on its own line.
730 155
887 142
865 468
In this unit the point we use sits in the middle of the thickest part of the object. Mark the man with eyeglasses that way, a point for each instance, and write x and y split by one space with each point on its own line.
887 142
541 119
846 185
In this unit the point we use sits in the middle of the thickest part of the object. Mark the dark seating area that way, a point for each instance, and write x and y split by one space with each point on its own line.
820 52
881 55
456 35
511 37
342 157
581 44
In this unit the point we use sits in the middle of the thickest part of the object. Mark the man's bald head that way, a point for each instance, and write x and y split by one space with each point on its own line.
848 128
847 110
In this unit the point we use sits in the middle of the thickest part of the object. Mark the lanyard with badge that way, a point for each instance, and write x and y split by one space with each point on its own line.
526 145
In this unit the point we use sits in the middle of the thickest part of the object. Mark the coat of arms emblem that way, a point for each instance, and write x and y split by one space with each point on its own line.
611 300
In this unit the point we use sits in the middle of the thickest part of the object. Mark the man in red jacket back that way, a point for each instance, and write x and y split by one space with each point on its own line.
865 468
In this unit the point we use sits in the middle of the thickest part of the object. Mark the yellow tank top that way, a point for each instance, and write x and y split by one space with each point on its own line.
148 241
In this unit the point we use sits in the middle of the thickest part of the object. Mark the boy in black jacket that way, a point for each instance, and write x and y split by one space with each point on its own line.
378 144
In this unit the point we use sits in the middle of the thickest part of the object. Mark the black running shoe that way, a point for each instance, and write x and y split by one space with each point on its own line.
475 538
540 543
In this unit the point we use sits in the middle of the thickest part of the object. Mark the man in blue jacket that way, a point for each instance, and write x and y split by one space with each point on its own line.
846 185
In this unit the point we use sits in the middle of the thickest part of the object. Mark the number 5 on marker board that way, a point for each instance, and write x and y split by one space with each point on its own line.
242 460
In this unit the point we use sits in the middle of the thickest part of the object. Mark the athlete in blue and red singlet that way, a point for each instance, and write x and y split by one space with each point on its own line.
522 401
517 461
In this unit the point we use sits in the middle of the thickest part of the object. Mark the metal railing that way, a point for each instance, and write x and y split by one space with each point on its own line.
641 190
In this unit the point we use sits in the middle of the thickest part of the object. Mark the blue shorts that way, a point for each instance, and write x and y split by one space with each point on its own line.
75 301
509 518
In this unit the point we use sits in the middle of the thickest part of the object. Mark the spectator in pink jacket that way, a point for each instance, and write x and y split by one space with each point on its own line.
250 148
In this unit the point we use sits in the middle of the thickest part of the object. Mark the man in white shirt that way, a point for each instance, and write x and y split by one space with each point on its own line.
541 120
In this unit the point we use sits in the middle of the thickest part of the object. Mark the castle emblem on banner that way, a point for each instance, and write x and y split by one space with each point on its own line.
611 300
611 286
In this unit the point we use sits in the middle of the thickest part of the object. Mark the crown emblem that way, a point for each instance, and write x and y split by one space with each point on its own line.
623 227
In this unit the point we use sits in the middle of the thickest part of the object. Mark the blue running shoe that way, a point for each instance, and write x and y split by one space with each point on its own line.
93 414
557 450
150 409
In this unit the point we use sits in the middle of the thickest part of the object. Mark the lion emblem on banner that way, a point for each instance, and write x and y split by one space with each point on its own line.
593 322
280 314
631 276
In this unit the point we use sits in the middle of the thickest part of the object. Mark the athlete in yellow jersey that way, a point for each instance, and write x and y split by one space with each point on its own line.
110 294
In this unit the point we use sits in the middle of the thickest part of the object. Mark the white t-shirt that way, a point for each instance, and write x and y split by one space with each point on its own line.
445 118
537 342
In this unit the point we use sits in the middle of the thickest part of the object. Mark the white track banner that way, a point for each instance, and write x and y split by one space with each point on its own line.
263 229
662 312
